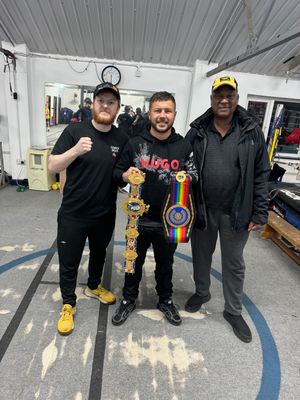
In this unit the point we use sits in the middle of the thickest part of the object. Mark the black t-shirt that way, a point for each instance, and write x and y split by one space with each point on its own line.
90 191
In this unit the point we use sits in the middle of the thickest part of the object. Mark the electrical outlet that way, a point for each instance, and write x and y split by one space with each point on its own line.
21 161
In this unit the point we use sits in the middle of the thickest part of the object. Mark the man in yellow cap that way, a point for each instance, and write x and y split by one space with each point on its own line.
231 196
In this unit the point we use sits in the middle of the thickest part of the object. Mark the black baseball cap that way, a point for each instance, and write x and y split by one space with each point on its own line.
107 86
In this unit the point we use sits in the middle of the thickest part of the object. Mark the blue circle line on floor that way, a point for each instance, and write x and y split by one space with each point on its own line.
271 373
21 260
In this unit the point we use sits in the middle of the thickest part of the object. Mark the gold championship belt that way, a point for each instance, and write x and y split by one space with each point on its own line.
134 207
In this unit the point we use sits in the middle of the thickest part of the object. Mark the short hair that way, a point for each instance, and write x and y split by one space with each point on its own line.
162 96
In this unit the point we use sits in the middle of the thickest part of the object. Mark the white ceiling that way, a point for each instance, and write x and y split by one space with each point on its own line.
173 32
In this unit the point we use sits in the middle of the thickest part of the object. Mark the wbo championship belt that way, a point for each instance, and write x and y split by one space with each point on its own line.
134 207
178 212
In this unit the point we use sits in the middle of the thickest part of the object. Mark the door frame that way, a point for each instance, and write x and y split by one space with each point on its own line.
268 113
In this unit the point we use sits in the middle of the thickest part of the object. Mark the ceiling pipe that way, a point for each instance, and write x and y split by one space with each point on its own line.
252 38
253 53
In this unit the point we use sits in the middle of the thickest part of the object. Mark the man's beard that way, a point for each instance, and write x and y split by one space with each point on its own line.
107 119
155 127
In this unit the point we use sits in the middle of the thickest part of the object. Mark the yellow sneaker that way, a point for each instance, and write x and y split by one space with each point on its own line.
105 296
65 324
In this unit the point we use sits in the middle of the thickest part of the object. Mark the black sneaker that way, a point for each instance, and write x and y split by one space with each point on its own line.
195 302
168 308
122 312
239 326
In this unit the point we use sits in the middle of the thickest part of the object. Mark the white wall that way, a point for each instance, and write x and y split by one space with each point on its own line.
71 99
18 112
4 138
191 88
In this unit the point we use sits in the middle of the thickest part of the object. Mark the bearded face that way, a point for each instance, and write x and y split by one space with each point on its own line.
104 118
162 115
105 108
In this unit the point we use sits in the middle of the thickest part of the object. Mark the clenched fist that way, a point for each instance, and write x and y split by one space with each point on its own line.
84 145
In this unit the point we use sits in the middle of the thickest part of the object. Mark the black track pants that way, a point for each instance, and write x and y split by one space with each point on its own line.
164 258
71 238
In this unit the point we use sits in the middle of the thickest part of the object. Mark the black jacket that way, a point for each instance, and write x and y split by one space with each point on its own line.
157 158
251 199
83 114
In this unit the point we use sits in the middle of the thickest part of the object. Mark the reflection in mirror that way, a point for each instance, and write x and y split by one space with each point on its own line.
62 103
133 114
65 104
135 98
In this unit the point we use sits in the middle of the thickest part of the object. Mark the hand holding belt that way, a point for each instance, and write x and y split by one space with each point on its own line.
178 212
134 207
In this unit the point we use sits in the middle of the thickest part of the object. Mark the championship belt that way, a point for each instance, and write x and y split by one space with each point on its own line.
178 213
134 207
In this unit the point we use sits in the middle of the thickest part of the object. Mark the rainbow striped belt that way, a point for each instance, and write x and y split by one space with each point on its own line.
178 212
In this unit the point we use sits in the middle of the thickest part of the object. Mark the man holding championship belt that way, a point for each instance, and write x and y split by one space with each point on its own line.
158 152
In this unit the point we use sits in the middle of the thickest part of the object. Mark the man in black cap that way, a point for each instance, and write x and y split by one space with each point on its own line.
88 151
84 113
231 196
125 121
139 122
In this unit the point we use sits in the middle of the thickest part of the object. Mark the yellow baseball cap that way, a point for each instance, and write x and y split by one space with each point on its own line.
224 80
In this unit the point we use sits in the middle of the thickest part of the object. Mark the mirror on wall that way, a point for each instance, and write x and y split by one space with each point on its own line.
133 113
66 103
62 102
135 99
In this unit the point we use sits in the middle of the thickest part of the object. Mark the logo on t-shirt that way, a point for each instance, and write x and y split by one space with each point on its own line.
114 150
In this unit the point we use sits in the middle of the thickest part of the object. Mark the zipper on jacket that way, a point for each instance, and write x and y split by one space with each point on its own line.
204 138
243 137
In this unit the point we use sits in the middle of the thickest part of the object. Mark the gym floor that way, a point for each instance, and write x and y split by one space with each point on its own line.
146 358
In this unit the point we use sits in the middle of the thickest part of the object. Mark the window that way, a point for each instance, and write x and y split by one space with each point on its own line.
258 108
289 140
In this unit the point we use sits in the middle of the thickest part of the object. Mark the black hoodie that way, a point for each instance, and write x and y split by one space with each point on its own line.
157 158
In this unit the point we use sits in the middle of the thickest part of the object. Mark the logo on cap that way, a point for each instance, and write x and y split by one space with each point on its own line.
107 86
224 80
